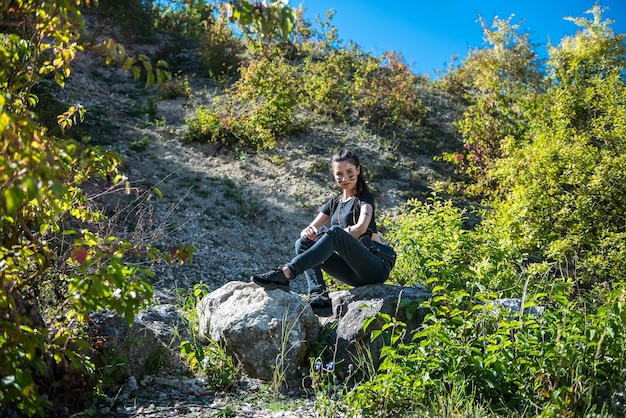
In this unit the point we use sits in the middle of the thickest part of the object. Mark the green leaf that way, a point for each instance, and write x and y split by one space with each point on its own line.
129 315
58 189
128 63
14 198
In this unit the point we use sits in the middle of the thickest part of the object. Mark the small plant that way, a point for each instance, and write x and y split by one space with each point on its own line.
278 160
279 374
205 356
177 87
212 361
319 168
189 301
141 144
329 385
226 412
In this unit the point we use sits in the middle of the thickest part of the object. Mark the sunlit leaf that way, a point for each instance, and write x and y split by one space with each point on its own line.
14 198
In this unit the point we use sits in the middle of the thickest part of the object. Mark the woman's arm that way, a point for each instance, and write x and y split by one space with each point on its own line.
311 230
363 222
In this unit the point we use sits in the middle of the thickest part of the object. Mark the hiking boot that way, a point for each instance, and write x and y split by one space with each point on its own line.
273 279
321 304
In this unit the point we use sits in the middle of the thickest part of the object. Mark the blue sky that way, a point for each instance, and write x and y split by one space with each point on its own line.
429 33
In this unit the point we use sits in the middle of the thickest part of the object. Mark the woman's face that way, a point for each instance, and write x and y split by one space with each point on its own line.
345 174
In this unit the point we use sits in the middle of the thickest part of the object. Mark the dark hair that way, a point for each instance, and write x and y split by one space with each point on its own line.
346 154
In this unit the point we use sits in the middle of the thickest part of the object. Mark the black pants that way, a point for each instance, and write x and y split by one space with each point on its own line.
339 255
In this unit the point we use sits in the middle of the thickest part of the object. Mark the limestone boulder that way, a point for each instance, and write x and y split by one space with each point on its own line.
351 309
266 331
136 350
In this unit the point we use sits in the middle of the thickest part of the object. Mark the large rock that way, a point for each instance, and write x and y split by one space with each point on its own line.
514 306
351 308
138 349
266 331
166 323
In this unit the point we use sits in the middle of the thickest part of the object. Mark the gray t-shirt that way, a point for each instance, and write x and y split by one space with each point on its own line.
345 214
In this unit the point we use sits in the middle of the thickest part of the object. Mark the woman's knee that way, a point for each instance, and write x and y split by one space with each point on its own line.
335 228
303 244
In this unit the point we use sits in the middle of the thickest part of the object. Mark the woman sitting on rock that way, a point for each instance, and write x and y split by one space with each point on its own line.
338 250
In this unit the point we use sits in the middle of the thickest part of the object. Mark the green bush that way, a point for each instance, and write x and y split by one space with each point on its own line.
431 243
502 84
134 17
566 362
329 83
220 49
347 84
385 93
56 263
564 187
184 20
256 111
470 351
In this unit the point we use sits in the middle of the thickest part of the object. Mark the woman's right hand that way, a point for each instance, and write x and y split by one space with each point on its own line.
309 232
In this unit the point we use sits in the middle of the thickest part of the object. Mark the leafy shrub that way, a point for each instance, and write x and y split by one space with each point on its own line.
183 19
329 82
135 17
220 49
431 243
565 363
385 93
256 111
53 250
563 186
502 84
347 84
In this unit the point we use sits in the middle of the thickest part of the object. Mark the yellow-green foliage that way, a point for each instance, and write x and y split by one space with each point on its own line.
502 363
186 19
212 361
430 241
257 110
329 82
50 248
552 236
385 93
219 48
506 364
501 83
334 81
565 184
